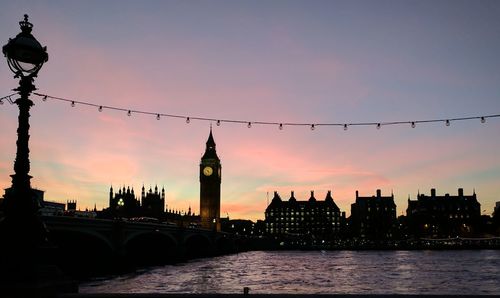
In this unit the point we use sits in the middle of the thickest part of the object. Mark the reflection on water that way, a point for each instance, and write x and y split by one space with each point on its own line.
319 272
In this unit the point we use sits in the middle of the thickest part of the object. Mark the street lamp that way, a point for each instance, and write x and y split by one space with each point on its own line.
25 254
25 57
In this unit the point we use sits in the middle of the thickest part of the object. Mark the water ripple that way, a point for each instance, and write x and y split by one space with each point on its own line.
319 272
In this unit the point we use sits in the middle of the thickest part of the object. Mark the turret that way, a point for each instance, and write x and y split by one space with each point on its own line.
276 197
312 198
328 197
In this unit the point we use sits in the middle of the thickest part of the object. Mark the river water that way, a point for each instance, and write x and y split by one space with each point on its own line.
319 272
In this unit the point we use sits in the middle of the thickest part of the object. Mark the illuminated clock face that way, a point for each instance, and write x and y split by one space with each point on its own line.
207 171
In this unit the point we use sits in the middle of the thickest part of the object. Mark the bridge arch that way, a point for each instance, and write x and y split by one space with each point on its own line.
198 245
151 247
225 245
81 252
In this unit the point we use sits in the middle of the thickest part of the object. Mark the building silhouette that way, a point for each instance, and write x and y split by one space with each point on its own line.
153 202
374 217
443 216
304 219
124 203
210 184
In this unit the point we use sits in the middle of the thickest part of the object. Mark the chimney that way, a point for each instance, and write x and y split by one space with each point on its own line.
433 192
460 192
378 193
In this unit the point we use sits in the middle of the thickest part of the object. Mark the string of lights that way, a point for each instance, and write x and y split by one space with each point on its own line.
280 125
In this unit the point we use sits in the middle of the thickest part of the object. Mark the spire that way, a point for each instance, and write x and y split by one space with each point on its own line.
210 152
210 141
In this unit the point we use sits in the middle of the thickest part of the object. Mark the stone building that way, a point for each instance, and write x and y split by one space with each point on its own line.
373 217
443 216
303 219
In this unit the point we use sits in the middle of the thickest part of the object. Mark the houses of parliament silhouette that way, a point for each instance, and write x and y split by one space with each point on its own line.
152 203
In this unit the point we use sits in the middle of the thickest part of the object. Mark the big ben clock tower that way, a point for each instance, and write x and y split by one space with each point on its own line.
210 179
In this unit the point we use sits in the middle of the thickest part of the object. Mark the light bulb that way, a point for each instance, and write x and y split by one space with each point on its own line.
187 120
100 109
413 124
345 126
44 98
157 116
312 127
249 125
73 104
281 126
447 122
129 113
483 119
218 123
378 125
1 101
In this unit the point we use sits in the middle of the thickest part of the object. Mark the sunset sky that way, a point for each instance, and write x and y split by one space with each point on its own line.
277 61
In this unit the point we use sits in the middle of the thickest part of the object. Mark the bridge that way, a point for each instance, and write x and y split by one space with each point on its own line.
86 245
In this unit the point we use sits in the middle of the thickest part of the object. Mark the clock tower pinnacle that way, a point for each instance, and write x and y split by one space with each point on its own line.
210 182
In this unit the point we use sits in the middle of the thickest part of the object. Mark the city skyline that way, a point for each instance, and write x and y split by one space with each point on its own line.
278 61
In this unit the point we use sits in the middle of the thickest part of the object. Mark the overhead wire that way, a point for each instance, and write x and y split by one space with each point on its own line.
250 123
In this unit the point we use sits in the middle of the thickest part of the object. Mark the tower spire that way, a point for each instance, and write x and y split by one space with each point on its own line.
210 152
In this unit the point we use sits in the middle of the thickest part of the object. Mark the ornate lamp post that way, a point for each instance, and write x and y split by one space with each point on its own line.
25 57
26 257
26 264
